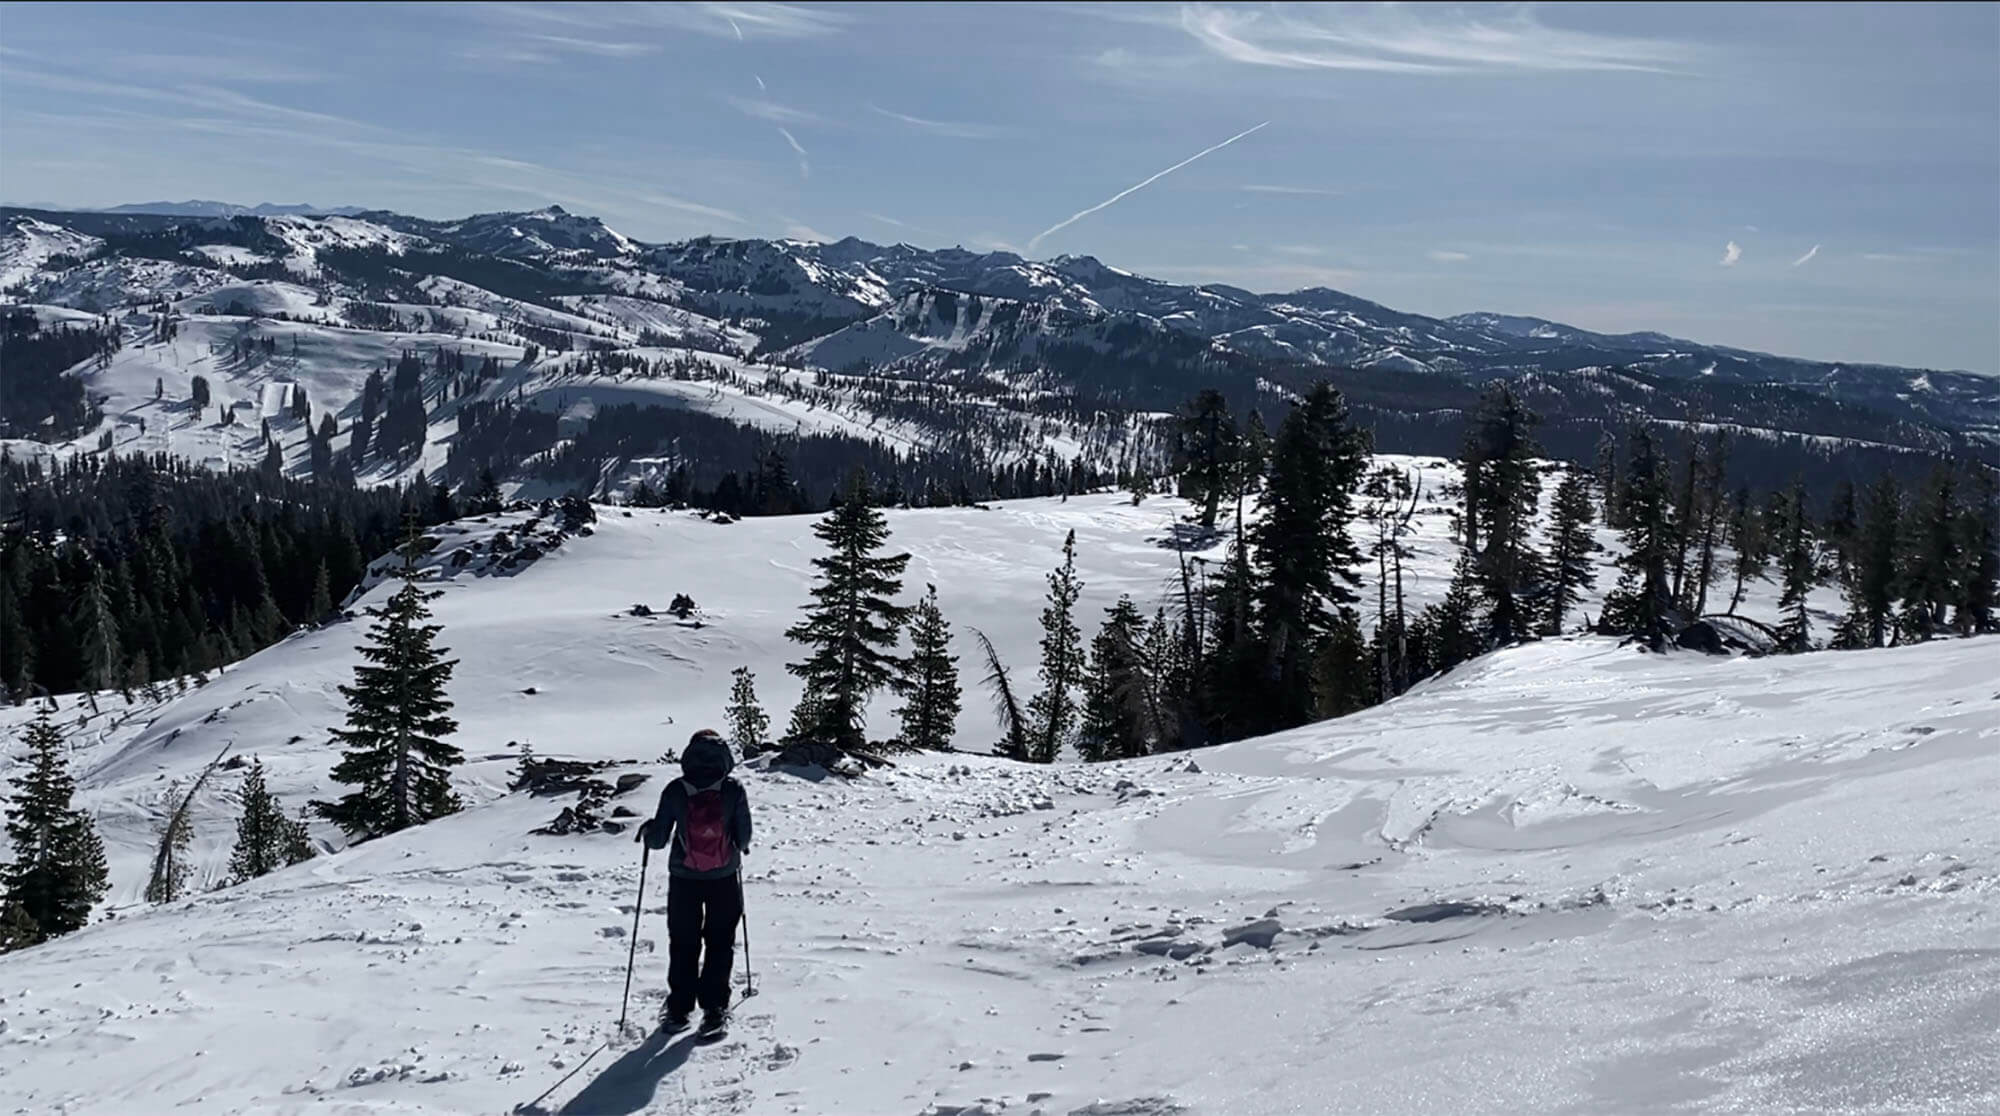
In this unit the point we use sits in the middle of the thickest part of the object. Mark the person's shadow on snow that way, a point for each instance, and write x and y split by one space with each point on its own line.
627 1085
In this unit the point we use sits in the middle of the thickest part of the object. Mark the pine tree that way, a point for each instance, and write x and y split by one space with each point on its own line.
398 717
1571 544
321 604
1305 562
1053 711
1643 603
1115 688
1206 450
58 872
1931 561
359 436
97 627
1798 571
748 723
1842 530
1686 515
263 833
1171 696
319 448
17 929
1710 510
175 832
1232 676
1872 580
1343 679
1502 492
1452 626
1979 543
851 626
17 646
486 498
297 846
1140 485
1255 456
930 679
1609 488
1750 541
1391 505
1015 733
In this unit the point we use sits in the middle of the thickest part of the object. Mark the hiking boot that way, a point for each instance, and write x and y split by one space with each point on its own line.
714 1021
672 1021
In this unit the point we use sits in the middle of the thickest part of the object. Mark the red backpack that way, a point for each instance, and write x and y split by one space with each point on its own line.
705 844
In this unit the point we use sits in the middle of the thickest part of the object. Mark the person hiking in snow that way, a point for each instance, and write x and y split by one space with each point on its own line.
704 818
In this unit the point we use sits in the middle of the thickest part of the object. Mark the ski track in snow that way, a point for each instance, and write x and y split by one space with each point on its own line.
1726 885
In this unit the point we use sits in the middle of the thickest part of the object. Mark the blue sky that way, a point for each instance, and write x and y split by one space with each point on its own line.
1814 180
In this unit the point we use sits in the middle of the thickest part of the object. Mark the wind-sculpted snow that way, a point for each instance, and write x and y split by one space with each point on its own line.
1569 877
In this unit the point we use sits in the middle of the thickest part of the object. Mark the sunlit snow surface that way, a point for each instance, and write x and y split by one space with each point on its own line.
1726 885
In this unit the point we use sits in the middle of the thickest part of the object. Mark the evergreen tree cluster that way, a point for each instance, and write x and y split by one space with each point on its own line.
121 572
266 840
37 399
743 470
1918 563
1913 562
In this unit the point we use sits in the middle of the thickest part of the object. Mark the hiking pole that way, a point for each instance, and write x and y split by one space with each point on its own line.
743 920
632 952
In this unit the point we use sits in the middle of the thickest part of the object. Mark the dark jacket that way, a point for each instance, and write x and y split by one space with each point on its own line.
705 764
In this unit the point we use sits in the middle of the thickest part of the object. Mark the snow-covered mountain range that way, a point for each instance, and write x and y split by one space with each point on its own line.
1070 337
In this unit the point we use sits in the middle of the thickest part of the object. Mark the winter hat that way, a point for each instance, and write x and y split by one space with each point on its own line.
706 758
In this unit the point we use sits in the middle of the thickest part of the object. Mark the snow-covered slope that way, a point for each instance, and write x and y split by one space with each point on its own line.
27 244
1716 884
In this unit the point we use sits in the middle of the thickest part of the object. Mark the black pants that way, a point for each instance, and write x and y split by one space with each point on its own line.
701 941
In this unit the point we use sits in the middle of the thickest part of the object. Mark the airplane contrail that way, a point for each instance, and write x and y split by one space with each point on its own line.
1130 190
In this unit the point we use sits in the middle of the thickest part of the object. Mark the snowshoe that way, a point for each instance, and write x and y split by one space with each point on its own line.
714 1026
674 1022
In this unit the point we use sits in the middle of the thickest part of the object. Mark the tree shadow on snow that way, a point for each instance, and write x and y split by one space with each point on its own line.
627 1085
1188 536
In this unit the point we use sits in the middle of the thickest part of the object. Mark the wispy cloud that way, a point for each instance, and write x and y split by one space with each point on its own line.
257 123
941 127
799 230
1443 255
1810 253
761 87
805 169
908 226
237 67
1731 252
783 21
1298 249
1415 39
1133 189
667 201
1293 191
722 20
598 47
772 111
